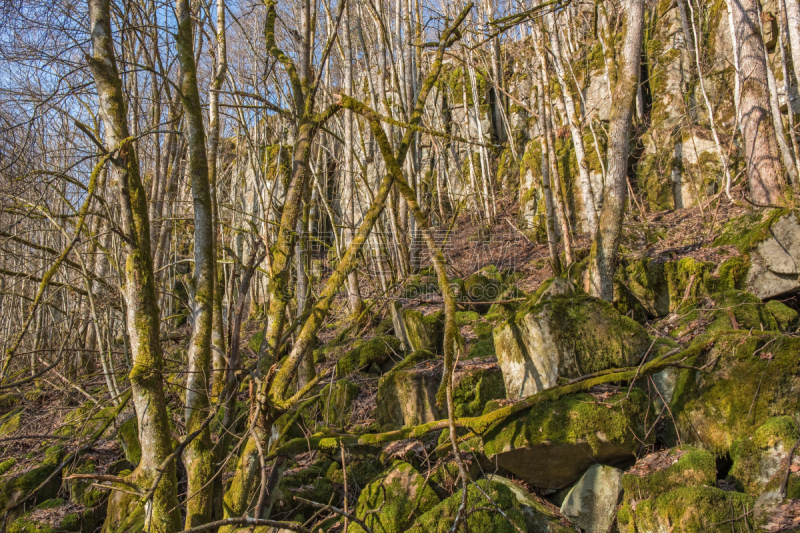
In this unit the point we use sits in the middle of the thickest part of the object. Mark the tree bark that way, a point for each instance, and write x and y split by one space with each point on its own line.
142 309
603 257
762 155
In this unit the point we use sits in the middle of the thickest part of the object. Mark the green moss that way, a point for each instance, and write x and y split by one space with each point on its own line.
757 458
715 312
255 341
484 518
312 483
335 404
785 317
693 467
747 231
477 387
376 350
22 485
411 360
7 465
71 522
482 348
128 435
754 377
690 509
419 286
24 525
571 419
425 332
401 494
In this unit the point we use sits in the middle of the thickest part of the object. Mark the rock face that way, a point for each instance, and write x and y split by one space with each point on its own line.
757 458
555 442
566 336
407 397
425 332
775 262
592 501
378 350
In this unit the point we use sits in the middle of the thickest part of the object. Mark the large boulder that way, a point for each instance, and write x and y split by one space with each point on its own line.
400 496
407 397
494 509
566 336
551 445
704 509
591 503
747 377
759 457
378 351
425 332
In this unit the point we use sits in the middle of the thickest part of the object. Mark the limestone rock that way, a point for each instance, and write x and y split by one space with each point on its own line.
751 377
566 336
484 518
480 288
775 262
555 442
687 509
660 472
425 332
401 494
539 518
407 397
592 501
377 350
759 457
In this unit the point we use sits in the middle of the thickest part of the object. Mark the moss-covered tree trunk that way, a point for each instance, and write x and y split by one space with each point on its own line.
605 245
761 151
140 292
198 456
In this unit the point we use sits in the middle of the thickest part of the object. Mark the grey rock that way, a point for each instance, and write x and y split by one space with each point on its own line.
538 517
592 502
775 262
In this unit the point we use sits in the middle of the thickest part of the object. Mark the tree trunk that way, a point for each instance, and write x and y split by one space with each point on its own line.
603 257
198 454
762 155
142 310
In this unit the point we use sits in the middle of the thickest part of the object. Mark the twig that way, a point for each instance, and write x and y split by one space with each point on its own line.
785 482
337 511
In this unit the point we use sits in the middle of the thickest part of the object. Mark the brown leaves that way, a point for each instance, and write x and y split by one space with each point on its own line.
786 517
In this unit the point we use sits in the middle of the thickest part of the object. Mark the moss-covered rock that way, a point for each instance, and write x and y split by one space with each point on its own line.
425 332
378 350
748 378
421 285
312 483
538 516
401 494
646 280
696 509
759 457
481 288
22 484
484 498
552 444
336 403
408 397
565 336
662 472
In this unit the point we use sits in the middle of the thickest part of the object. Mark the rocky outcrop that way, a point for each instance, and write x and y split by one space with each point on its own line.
382 351
591 503
425 332
554 443
757 458
539 518
566 336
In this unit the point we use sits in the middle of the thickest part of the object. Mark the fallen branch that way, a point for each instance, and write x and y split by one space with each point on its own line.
345 514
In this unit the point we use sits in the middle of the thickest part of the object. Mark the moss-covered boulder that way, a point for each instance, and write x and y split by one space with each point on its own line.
539 517
552 444
407 397
565 336
484 498
311 483
775 261
378 351
400 495
732 309
483 290
667 470
425 332
421 285
697 509
33 479
746 378
335 403
757 458
646 281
